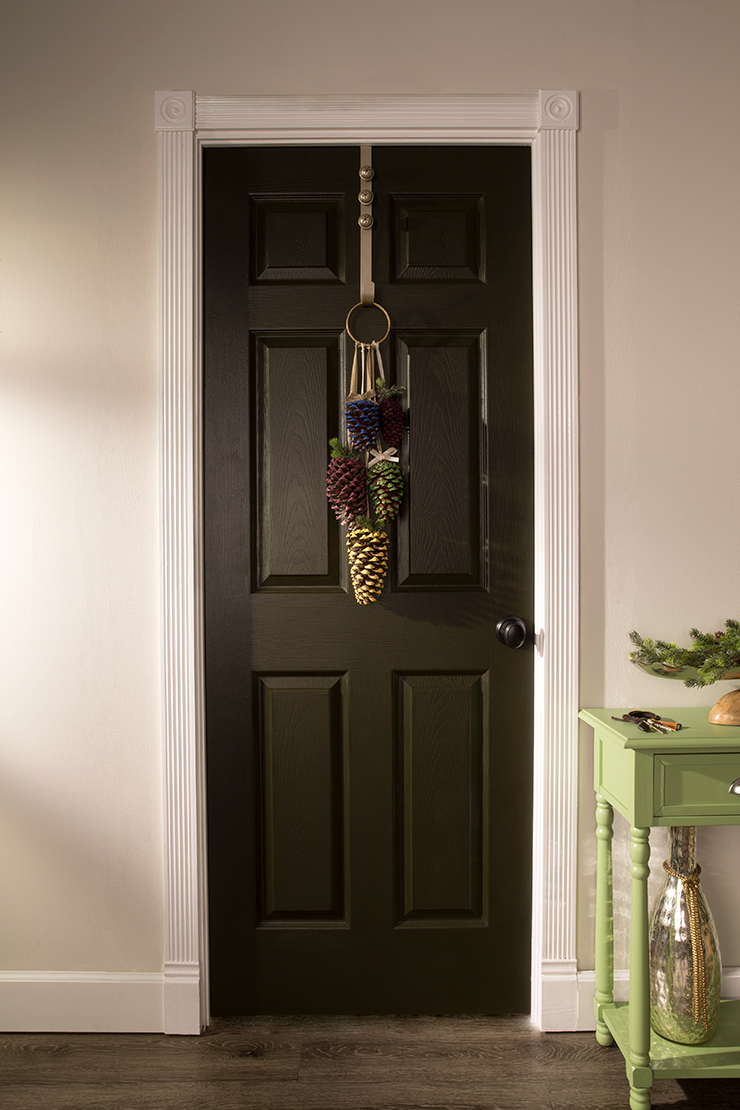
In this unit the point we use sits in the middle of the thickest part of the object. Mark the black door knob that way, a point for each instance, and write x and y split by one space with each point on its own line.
511 631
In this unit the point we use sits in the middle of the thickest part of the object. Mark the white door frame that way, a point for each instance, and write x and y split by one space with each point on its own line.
547 122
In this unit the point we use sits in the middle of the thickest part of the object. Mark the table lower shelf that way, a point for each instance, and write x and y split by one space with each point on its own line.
719 1058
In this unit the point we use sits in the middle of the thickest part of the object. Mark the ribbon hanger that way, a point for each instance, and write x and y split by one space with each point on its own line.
365 197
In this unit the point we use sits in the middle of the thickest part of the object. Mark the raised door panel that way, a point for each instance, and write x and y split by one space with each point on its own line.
296 394
442 799
438 238
302 771
297 239
441 531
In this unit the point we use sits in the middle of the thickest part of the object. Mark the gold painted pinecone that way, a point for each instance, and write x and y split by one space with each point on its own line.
368 562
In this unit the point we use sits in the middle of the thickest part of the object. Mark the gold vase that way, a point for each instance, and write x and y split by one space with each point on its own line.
685 962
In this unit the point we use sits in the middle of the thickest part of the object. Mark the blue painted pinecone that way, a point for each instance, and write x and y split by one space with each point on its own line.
363 419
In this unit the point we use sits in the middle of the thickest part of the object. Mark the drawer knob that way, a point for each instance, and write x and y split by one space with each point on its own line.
735 787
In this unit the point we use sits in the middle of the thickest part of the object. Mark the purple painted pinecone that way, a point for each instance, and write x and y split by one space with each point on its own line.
346 483
363 418
391 421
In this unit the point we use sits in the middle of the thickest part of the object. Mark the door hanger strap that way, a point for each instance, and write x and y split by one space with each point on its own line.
367 285
365 197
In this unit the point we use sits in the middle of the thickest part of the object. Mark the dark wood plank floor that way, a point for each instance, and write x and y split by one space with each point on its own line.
343 1063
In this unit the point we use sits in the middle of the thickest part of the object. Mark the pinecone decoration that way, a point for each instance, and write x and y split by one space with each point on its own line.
391 413
363 418
367 547
385 483
346 483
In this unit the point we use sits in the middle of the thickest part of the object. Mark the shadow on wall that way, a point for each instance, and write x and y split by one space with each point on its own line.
600 116
79 882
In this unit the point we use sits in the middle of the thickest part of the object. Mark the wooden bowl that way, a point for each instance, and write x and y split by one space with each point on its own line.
726 711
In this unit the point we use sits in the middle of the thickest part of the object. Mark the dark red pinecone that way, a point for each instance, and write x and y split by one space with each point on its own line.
362 424
346 483
391 413
391 421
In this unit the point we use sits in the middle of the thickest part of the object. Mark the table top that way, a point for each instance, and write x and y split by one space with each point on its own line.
697 733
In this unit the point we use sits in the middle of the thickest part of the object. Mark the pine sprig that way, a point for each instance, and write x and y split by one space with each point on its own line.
368 524
712 654
384 392
339 451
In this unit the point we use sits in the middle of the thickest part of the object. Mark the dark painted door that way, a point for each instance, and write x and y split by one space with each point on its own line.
369 767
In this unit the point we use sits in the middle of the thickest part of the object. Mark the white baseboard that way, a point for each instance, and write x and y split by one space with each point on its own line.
587 988
134 1002
81 1002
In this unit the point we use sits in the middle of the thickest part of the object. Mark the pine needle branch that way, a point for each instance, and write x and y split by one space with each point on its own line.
383 391
369 525
712 654
339 451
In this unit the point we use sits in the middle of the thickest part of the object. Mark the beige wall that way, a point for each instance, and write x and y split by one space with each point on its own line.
659 180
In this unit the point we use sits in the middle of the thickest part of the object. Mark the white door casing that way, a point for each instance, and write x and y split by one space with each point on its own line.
547 121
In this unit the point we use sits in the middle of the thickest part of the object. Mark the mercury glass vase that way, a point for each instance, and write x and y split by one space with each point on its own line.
685 962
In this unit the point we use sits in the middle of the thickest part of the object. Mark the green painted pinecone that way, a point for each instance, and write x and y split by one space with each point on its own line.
367 548
385 483
346 483
391 421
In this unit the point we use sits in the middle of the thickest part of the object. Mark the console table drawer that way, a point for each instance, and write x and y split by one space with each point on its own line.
696 785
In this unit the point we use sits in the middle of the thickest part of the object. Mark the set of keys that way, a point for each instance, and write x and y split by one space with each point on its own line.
647 721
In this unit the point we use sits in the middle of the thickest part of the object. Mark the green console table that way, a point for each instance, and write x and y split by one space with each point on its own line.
654 779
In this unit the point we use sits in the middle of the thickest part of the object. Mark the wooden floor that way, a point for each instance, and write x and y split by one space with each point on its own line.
345 1063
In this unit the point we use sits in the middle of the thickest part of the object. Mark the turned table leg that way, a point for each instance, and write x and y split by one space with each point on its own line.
604 918
639 1071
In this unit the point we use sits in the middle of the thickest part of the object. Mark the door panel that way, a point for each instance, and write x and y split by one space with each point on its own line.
297 239
369 767
439 537
438 238
442 799
296 399
304 750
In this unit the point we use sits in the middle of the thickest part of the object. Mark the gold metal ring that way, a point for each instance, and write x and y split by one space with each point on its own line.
373 305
